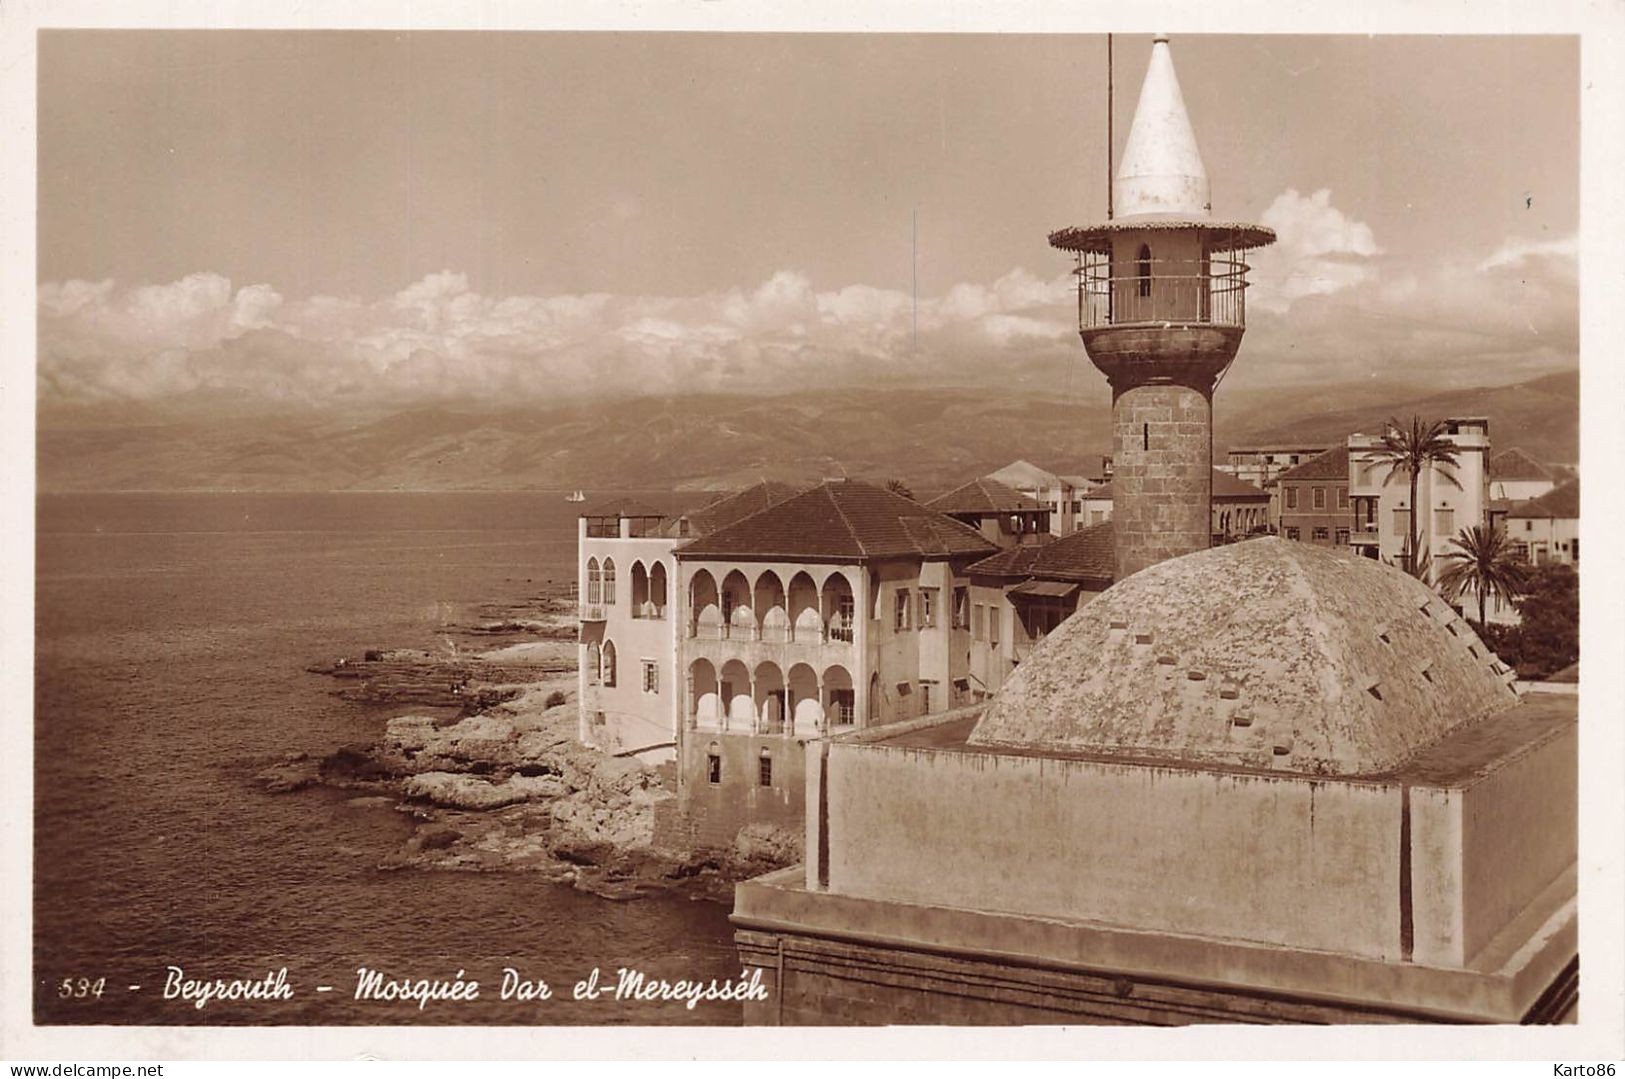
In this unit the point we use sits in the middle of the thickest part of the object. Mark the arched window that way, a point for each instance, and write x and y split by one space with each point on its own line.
594 588
607 663
1143 270
609 582
592 664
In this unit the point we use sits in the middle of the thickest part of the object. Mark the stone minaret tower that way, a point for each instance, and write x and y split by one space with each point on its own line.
1161 309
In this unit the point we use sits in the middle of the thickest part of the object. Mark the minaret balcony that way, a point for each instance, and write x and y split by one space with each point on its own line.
1155 293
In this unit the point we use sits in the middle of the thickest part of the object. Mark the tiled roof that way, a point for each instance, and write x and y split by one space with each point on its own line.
1331 465
983 495
1026 474
737 506
1561 501
1262 654
845 520
1088 556
1227 486
1100 490
1515 464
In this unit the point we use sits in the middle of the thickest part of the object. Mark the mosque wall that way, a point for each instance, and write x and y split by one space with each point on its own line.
1283 860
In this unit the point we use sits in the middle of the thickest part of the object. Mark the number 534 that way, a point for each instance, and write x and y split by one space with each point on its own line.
80 988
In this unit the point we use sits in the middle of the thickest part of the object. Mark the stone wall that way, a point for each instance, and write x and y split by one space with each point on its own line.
711 814
1162 485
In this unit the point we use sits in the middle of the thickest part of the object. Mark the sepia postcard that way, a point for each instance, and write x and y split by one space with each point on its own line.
661 531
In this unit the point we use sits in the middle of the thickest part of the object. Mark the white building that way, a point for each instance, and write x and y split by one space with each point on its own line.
1451 498
1547 529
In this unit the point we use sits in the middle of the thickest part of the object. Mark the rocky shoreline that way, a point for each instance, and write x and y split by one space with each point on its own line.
503 785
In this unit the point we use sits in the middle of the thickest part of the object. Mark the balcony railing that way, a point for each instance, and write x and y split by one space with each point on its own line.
1157 291
594 612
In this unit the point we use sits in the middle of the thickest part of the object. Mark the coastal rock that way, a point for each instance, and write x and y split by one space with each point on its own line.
463 791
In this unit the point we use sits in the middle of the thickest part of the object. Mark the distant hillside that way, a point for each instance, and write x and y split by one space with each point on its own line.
1542 416
933 439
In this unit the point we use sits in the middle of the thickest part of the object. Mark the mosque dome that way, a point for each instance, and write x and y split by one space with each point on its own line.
1263 654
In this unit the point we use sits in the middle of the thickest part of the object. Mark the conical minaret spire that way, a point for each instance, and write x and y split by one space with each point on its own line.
1161 310
1162 170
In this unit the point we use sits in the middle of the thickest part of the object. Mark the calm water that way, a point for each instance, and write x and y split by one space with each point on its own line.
171 636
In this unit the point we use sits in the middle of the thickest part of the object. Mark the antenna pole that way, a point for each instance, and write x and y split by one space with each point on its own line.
1109 207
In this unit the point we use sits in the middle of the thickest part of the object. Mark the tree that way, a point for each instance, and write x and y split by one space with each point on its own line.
1549 632
898 487
1409 452
1483 561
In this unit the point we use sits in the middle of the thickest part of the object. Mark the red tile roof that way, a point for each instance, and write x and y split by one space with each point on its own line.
1088 556
1561 501
842 520
1331 465
1227 486
737 506
984 495
1515 464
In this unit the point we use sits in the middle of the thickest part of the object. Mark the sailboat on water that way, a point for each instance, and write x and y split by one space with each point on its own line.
576 496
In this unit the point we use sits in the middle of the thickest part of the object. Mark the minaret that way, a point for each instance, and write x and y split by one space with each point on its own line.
1161 309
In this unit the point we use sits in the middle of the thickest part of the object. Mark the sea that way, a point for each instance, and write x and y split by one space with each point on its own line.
172 632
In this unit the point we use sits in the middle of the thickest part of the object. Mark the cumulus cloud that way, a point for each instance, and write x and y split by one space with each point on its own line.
1329 305
1319 250
439 339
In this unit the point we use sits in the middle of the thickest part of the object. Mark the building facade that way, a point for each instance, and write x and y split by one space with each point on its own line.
1450 497
838 608
1313 500
1259 465
1546 529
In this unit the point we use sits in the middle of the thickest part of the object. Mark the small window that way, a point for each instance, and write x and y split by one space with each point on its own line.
995 616
1291 497
900 618
713 767
1402 522
925 698
1342 498
928 608
961 608
764 769
1144 269
607 663
1444 521
1292 533
1322 535
1342 537
1320 498
609 582
979 626
651 676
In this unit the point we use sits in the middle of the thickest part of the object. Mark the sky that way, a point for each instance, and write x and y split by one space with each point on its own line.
308 218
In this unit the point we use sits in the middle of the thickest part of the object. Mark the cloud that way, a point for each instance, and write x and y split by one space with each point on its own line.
438 339
1329 305
1318 251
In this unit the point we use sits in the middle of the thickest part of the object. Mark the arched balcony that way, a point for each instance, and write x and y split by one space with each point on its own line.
766 700
762 608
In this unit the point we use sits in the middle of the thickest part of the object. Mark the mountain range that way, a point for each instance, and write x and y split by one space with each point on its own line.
932 439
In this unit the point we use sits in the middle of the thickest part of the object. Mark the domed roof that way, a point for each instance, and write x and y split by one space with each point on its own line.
1265 654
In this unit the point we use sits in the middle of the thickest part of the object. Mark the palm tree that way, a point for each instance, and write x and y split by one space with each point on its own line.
898 487
1410 452
1484 562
